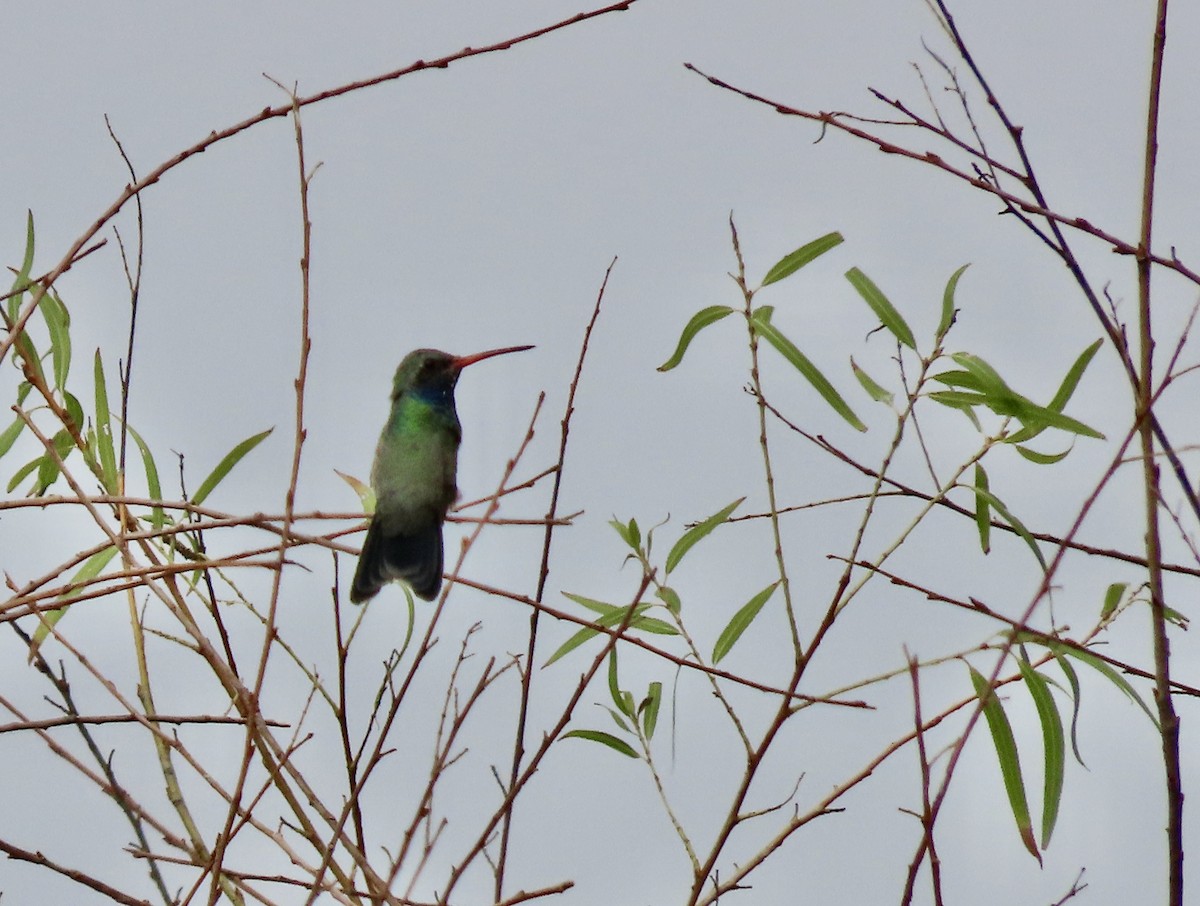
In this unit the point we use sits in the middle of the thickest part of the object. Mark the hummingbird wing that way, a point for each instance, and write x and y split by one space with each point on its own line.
413 555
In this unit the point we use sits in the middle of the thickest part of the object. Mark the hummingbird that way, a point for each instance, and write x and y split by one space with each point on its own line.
414 475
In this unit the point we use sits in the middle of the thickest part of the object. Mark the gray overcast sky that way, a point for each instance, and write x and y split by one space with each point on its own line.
479 206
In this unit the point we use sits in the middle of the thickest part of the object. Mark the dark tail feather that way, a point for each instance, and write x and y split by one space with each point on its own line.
414 557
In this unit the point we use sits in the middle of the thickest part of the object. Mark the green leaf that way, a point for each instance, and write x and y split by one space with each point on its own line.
91 568
1108 673
366 494
232 458
10 435
22 473
741 622
58 323
1074 374
610 616
1010 763
48 469
623 700
153 487
792 262
761 322
983 515
1054 747
884 310
948 309
1073 680
21 281
670 597
689 538
104 439
607 739
699 321
1017 525
649 707
1042 459
876 392
1112 597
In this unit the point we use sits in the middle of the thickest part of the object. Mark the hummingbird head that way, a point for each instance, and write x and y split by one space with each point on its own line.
432 374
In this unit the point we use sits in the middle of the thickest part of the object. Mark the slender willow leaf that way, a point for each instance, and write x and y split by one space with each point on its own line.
689 538
761 320
153 487
1017 525
741 622
91 568
232 458
1112 597
607 739
983 511
1010 763
670 597
366 494
884 310
1074 374
10 435
618 719
48 469
948 309
610 616
1110 674
104 438
874 391
1042 459
21 282
1073 679
650 707
792 262
623 700
58 323
699 321
1054 747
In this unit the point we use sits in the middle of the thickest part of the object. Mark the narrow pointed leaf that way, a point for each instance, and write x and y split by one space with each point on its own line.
623 700
874 391
689 538
1042 459
670 597
603 738
58 323
983 512
768 331
91 568
793 261
153 487
1112 597
650 707
1073 680
699 321
741 622
948 309
883 308
1010 763
1110 674
1073 376
10 435
104 437
366 494
1054 747
1017 525
231 459
21 281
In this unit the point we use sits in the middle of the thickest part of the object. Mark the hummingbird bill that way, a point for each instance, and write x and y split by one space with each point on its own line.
414 475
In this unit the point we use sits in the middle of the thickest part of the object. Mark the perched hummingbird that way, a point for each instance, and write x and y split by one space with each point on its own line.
414 475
